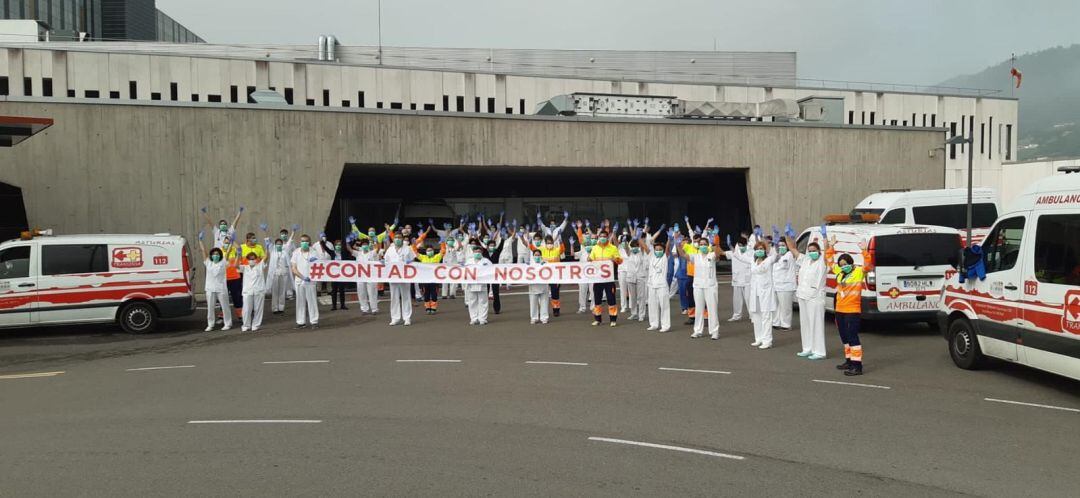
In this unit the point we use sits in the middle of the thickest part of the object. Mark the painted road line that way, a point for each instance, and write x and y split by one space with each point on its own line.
557 363
428 361
144 369
30 375
851 384
256 421
292 362
1036 405
694 371
666 447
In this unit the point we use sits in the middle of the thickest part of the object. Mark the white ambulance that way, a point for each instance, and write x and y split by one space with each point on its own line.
1027 309
130 279
942 207
906 270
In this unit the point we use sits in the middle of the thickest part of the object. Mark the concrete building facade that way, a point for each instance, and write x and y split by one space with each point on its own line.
497 82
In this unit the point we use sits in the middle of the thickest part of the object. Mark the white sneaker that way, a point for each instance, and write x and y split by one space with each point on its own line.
407 323
483 322
755 343
696 335
734 319
665 330
715 337
209 329
581 310
650 329
395 322
532 322
641 319
243 329
254 329
765 346
226 328
632 317
543 322
474 322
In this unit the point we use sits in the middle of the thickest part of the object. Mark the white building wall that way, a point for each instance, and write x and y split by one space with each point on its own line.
203 76
1015 177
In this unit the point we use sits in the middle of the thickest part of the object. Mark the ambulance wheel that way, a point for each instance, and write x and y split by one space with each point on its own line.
964 346
138 317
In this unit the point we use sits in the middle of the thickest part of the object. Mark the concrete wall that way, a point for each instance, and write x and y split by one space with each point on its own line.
111 70
142 168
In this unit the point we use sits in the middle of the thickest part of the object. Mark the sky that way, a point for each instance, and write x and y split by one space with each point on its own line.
919 42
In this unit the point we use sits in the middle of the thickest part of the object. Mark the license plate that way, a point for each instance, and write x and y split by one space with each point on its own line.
917 284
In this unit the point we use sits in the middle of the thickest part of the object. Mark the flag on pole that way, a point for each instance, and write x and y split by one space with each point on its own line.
1015 73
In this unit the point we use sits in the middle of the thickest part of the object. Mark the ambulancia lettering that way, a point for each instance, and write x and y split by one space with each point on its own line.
1058 199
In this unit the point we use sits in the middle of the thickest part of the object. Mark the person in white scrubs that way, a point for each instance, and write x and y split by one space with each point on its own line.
705 289
278 274
762 303
539 294
366 292
307 303
476 295
659 301
784 284
740 278
254 292
215 286
811 295
400 305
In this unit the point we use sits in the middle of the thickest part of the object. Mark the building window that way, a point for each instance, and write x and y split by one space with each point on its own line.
194 97
4 85
92 94
521 105
971 132
933 120
892 123
873 119
234 94
1008 142
153 95
213 98
460 101
326 98
71 94
446 102
982 138
113 94
509 110
28 87
491 105
862 119
250 99
288 95
924 120
952 133
851 117
174 92
990 139
133 90
345 103
412 107
46 87
905 122
395 105
429 107
310 102
378 105
360 99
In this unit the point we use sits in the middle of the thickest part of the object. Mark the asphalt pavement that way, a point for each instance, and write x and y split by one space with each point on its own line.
565 409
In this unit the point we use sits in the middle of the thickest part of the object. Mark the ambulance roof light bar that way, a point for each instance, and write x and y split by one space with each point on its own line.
1069 169
851 218
37 232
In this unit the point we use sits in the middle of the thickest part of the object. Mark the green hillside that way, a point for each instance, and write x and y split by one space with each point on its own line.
1049 99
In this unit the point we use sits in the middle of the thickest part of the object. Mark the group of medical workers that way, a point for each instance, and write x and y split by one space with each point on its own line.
769 273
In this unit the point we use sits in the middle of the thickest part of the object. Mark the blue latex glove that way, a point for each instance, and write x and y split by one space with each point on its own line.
202 234
824 232
430 222
241 209
264 227
296 227
513 222
352 220
566 214
586 223
757 232
775 233
322 235
446 226
203 209
396 221
676 228
789 231
729 241
312 259
662 226
646 220
307 279
709 221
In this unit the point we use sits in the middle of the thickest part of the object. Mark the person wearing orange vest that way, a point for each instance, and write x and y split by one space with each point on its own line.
232 274
430 291
848 305
604 250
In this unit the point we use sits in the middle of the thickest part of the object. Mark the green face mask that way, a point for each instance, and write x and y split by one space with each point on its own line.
703 248
278 247
450 242
430 253
742 249
398 243
371 234
215 257
846 268
814 255
760 253
538 259
365 248
603 240
588 248
477 256
305 245
658 254
337 248
223 228
782 250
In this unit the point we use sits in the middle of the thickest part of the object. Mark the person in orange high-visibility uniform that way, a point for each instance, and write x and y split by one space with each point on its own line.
604 250
850 280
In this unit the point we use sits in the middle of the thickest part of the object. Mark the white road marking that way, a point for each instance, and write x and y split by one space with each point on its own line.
290 362
557 363
1052 407
428 361
666 447
256 421
143 369
30 375
694 371
851 384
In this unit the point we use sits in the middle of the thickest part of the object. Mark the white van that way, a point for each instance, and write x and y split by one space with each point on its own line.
945 207
130 279
1027 310
906 270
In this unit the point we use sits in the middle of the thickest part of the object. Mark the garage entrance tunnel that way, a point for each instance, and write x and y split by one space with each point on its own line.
374 193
